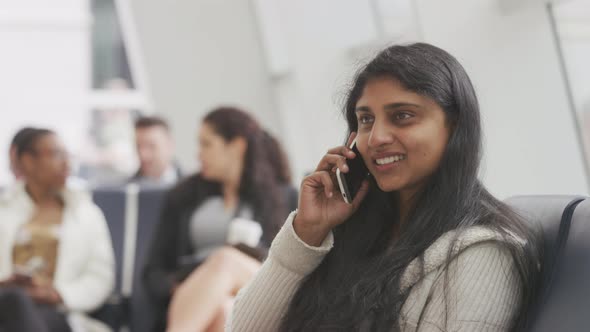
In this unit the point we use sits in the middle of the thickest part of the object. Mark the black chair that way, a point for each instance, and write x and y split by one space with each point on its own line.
112 203
132 215
557 217
141 304
566 303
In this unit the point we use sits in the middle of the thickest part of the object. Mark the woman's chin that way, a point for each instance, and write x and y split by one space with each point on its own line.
388 186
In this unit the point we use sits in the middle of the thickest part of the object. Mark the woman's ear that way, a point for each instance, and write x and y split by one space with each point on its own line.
239 145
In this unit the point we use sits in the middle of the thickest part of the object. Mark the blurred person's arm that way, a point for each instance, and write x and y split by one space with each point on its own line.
40 293
96 281
44 294
7 282
160 273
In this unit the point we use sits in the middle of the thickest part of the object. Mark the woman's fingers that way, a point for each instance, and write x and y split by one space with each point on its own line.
336 157
330 161
327 183
343 151
323 180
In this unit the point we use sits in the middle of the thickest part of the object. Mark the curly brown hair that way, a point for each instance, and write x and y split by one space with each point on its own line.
256 186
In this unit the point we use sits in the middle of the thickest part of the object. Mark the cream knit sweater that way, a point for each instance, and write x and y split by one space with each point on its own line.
484 290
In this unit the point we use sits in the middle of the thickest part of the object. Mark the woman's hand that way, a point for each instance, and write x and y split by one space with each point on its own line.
44 294
17 280
8 282
321 206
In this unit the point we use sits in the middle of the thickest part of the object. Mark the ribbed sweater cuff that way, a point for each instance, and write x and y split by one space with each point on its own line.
261 306
292 253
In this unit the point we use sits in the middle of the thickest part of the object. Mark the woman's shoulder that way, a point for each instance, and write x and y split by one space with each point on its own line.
471 244
477 288
461 239
80 200
192 188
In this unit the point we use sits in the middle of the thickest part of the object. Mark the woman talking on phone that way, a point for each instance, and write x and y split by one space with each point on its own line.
423 246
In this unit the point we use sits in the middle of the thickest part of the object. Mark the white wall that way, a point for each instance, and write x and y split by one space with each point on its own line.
45 69
200 54
531 145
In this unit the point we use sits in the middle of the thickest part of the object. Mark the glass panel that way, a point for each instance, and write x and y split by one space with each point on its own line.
110 65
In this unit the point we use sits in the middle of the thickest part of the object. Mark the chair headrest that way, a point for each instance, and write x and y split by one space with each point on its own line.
557 217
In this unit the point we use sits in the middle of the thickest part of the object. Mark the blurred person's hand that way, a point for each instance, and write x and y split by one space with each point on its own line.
44 294
7 282
23 280
321 206
18 280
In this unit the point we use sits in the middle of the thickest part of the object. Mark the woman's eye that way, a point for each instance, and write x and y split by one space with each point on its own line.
365 119
402 116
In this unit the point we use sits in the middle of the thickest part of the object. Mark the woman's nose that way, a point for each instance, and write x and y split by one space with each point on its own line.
381 134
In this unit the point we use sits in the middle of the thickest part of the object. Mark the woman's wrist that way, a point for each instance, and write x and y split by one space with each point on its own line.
312 235
55 296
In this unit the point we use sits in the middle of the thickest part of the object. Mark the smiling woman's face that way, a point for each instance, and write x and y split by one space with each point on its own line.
401 135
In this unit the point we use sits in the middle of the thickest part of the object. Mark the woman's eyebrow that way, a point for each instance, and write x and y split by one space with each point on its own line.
394 106
391 106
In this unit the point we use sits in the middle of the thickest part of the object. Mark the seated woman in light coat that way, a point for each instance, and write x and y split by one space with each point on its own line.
423 246
56 256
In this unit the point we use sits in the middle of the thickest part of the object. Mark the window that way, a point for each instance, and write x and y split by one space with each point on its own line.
109 56
119 94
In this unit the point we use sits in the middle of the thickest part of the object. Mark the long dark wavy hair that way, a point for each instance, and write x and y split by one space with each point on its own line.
258 186
357 285
278 158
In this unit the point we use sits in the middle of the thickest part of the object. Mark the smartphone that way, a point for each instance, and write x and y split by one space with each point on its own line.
350 182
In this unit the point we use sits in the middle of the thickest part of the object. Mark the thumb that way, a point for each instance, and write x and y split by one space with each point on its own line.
360 195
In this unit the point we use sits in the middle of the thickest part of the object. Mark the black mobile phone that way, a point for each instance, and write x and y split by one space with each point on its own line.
350 182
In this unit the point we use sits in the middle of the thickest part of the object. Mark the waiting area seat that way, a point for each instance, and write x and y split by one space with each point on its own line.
132 215
564 297
566 306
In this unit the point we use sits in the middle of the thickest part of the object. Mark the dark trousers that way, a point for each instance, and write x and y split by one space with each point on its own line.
18 313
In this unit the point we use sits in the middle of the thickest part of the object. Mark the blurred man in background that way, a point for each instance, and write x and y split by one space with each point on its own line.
155 150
